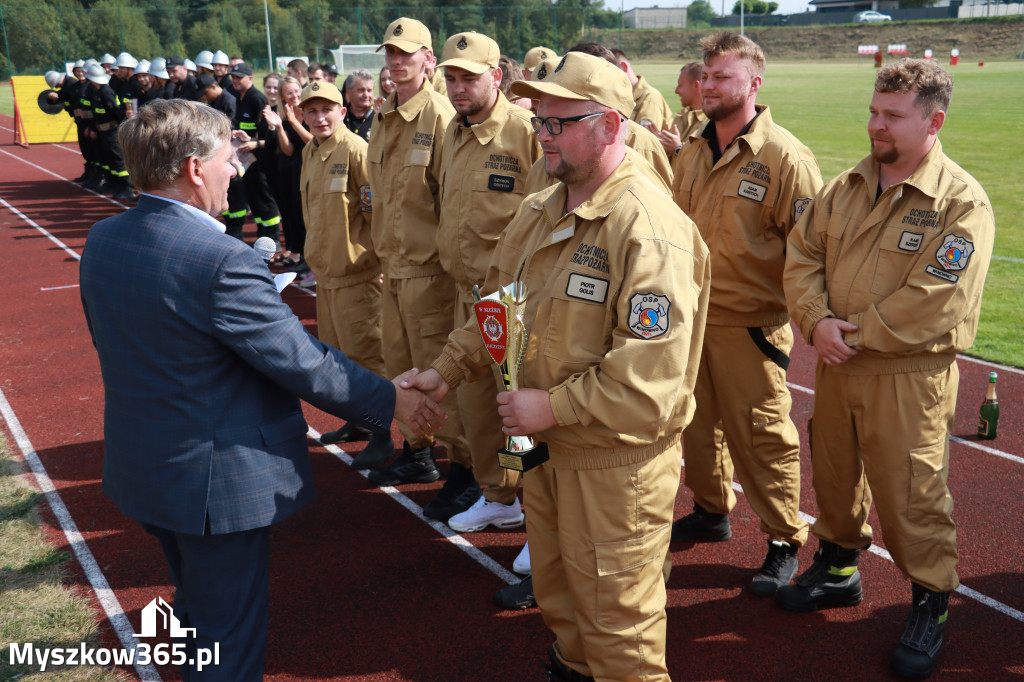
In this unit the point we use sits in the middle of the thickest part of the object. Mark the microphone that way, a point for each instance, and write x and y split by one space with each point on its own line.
266 248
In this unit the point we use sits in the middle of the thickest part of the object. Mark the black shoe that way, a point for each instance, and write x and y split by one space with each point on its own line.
458 494
410 467
349 433
701 526
778 569
560 672
919 646
124 193
832 580
82 177
516 597
379 450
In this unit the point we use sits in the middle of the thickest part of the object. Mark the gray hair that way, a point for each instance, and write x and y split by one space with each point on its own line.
166 132
357 74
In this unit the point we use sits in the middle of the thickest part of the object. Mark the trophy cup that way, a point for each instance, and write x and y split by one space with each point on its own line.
500 318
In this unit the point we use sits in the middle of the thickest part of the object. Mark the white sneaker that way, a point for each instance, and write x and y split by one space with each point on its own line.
484 513
521 565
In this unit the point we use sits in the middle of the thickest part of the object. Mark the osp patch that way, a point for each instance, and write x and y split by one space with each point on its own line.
954 253
648 314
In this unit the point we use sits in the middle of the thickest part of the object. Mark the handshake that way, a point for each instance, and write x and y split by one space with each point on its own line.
416 400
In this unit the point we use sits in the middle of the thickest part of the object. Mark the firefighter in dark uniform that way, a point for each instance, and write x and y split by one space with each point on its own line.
108 113
66 92
184 83
249 119
88 141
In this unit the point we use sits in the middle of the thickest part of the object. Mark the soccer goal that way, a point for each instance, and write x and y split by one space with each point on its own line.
351 57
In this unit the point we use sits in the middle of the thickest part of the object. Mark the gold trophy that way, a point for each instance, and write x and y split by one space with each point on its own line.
500 318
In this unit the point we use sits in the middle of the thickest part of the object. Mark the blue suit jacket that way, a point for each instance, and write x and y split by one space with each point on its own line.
203 367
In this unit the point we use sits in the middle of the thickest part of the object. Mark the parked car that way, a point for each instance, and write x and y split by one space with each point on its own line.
870 16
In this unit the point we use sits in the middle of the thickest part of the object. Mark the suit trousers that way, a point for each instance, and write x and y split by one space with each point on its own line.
222 589
418 315
349 318
886 437
742 393
478 407
599 558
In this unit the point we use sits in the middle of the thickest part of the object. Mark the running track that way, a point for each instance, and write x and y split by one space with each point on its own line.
363 588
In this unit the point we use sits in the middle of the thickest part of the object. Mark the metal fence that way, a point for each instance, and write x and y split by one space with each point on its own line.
39 38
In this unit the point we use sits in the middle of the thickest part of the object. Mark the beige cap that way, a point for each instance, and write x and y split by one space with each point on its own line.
583 77
471 51
545 69
536 56
320 90
408 35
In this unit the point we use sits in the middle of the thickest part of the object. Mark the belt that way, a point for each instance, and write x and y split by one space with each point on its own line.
765 346
105 127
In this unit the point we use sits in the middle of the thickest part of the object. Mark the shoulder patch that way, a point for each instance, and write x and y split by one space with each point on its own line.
648 314
799 206
955 252
365 199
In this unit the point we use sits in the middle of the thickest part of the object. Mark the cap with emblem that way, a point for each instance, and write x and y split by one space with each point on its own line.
97 74
127 61
220 57
321 90
331 67
241 69
545 68
584 77
158 68
205 59
53 78
408 35
536 56
175 61
471 51
205 80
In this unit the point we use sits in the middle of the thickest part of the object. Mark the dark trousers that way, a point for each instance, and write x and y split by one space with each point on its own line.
222 585
234 217
261 201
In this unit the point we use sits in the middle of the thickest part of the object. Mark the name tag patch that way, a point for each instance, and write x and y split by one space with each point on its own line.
941 274
338 183
593 289
501 183
419 157
910 241
752 190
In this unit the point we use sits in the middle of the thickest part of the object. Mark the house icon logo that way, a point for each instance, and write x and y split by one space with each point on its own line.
158 615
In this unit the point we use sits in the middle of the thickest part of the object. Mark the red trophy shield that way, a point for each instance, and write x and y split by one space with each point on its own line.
492 318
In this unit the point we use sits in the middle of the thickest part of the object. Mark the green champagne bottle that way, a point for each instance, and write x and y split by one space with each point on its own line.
988 417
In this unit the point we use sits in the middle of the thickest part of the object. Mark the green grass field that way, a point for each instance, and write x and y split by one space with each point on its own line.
825 105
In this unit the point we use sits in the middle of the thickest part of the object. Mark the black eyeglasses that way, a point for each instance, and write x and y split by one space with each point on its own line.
554 124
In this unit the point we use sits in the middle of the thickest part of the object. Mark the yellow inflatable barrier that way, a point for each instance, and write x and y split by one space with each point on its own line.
32 123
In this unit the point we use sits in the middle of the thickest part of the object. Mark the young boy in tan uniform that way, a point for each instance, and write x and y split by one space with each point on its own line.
884 276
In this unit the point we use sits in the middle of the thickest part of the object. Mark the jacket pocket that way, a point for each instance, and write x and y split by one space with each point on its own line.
893 264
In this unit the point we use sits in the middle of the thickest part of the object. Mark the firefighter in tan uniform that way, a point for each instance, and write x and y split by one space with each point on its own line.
617 281
744 181
884 276
488 148
651 109
404 162
690 117
336 207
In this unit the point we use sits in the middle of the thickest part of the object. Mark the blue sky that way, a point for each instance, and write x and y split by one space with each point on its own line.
785 6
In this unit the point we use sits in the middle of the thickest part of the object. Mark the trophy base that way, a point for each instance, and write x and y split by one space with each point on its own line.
523 460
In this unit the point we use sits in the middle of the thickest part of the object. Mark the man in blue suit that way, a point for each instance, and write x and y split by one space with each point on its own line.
203 367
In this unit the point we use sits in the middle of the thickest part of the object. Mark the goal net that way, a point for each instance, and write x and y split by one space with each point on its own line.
351 57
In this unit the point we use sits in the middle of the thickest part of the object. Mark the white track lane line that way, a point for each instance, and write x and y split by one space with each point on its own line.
93 573
61 177
62 245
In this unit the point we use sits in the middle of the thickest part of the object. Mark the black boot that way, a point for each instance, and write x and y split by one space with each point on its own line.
701 526
560 672
93 177
458 494
832 580
349 433
516 596
379 450
919 646
412 466
779 567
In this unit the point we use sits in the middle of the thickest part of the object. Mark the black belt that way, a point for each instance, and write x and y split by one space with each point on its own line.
765 346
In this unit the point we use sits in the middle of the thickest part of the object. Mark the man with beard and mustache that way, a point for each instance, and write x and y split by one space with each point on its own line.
745 181
884 276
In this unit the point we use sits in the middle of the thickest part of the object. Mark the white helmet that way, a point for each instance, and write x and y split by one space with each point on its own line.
127 61
142 67
190 65
53 78
221 57
107 58
89 62
97 74
80 64
205 59
158 68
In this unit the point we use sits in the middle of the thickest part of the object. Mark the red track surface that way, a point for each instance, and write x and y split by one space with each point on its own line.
364 590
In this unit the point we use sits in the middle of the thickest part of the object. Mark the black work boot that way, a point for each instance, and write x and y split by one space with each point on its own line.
778 569
560 672
93 178
702 526
919 646
458 494
832 580
379 450
412 466
349 433
516 596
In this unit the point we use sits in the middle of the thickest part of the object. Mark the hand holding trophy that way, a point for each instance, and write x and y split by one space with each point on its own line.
500 318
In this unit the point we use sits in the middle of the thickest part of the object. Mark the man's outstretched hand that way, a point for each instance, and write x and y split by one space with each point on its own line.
417 409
